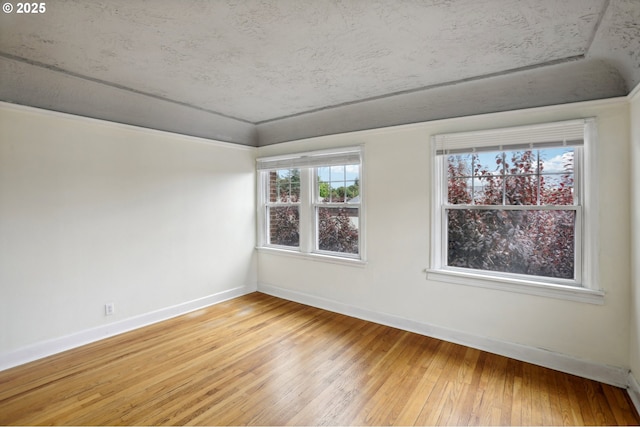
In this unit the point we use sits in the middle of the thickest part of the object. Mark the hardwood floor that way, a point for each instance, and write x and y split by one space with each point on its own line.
260 360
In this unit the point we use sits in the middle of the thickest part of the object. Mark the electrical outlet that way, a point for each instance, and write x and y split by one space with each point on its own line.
109 309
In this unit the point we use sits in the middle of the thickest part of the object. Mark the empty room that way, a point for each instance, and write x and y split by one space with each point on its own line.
320 212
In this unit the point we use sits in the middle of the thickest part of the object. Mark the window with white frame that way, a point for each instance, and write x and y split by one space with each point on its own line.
509 204
312 202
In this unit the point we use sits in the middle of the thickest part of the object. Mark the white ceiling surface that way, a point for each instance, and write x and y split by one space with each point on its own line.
260 72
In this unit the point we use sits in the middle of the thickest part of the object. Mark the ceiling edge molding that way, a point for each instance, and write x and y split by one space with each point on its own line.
114 85
132 128
435 86
50 89
564 83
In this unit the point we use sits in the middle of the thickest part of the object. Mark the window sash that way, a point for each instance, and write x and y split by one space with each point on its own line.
316 230
578 151
316 227
577 244
268 235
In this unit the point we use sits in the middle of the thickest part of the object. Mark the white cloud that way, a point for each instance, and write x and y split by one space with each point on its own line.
557 164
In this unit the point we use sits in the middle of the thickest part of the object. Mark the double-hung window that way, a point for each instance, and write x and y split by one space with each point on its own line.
311 202
509 206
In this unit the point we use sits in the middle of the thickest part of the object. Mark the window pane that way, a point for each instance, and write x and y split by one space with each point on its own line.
488 190
488 163
459 165
338 229
338 192
324 174
337 173
284 225
521 162
557 160
521 190
284 185
557 190
539 243
459 190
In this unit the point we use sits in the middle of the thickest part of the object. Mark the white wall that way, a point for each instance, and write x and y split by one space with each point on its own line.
635 228
396 186
94 212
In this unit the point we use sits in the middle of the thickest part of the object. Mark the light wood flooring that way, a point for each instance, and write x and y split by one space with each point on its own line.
260 360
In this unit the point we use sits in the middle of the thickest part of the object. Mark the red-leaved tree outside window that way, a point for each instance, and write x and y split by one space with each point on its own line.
513 211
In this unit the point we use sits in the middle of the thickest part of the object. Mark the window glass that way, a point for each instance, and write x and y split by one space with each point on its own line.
284 185
510 240
532 242
530 177
283 210
557 177
338 229
284 225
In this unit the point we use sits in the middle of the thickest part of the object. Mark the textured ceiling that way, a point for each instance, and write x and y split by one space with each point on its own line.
260 72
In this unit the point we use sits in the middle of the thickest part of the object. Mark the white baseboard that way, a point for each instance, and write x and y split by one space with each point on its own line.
613 375
616 376
47 348
633 388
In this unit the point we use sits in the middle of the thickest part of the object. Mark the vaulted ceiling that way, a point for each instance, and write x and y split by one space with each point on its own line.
259 72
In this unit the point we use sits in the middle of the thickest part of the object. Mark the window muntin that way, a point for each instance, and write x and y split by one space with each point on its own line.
508 205
527 177
338 184
311 202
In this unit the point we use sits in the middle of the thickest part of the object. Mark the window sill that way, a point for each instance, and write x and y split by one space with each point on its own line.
550 290
353 262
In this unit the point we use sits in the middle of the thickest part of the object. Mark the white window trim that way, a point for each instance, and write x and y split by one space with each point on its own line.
307 162
312 256
585 290
552 290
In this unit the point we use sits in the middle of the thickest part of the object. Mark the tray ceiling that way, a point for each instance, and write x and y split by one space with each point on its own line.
261 72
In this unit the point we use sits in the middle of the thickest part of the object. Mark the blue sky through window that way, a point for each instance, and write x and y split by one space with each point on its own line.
556 173
554 160
338 176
